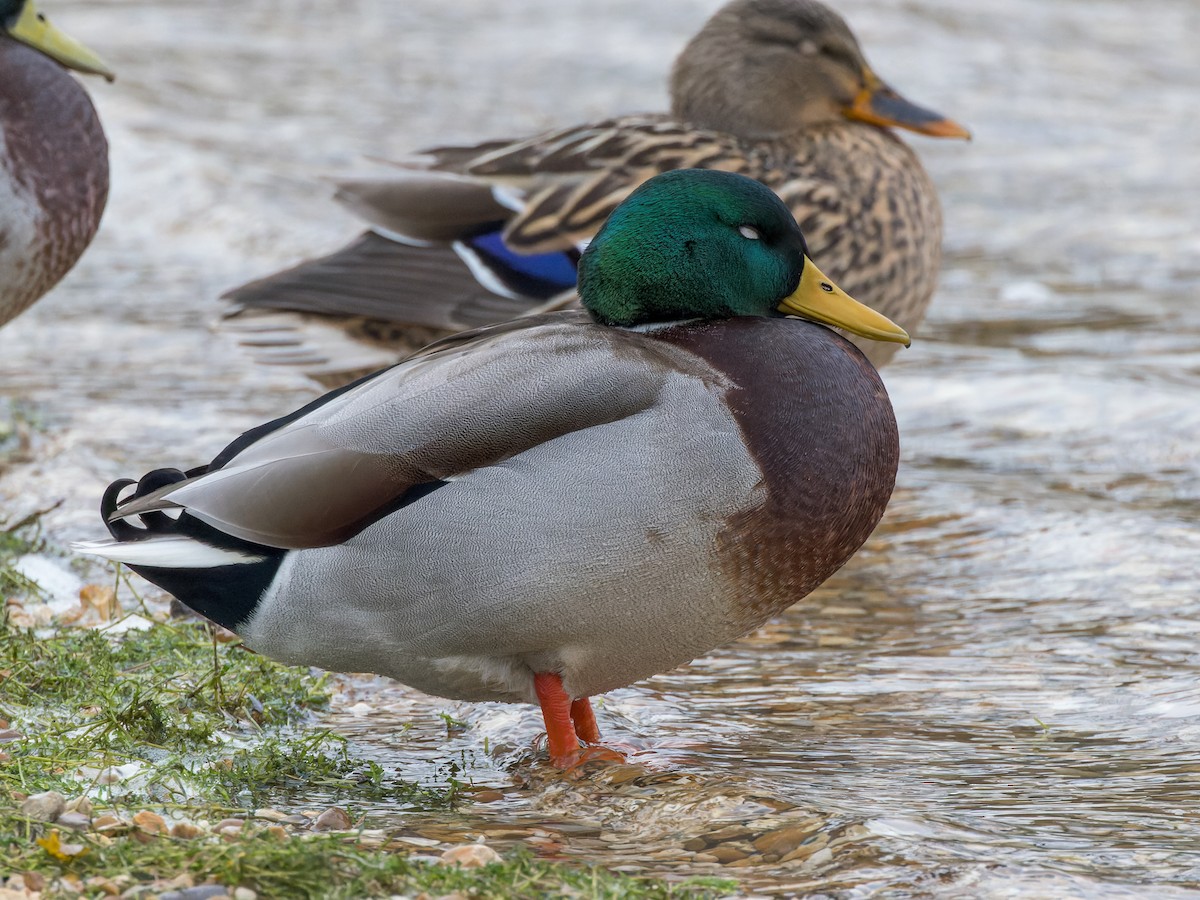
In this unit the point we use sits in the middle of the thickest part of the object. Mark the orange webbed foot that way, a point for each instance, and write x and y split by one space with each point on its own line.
571 730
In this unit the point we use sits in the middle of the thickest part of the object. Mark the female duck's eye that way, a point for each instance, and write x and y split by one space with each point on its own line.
749 232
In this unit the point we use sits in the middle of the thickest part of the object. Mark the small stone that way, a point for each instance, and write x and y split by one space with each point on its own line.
243 893
469 856
704 858
488 796
278 832
110 824
44 807
820 858
199 892
186 831
333 819
74 820
695 844
34 881
9 734
742 863
150 823
271 815
622 774
80 804
808 848
725 854
104 885
100 598
226 825
295 820
782 841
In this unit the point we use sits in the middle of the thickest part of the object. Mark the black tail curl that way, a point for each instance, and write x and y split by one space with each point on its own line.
158 523
226 594
154 522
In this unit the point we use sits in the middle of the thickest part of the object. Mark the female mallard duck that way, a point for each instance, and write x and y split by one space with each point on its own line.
564 504
53 156
774 89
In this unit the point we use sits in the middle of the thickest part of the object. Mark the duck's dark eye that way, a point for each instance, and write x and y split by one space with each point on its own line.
843 56
749 232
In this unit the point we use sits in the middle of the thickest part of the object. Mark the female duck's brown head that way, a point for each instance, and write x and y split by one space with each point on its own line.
769 68
53 155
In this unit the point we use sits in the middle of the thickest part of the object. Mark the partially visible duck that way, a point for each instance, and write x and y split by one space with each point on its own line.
551 508
778 90
53 156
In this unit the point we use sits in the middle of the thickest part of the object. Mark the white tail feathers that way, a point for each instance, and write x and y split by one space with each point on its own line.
172 551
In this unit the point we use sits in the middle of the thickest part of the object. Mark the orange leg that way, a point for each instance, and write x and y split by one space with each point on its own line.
585 720
556 711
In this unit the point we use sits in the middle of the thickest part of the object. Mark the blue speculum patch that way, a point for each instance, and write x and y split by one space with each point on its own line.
556 271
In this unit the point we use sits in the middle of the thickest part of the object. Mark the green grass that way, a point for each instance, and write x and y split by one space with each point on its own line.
201 717
324 866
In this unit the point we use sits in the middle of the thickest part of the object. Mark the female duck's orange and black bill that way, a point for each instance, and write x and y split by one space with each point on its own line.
880 104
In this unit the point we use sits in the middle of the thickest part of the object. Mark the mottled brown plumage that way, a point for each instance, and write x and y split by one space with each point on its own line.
53 173
774 89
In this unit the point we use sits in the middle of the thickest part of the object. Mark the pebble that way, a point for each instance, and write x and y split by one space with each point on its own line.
725 854
199 892
782 841
76 821
820 858
186 831
228 825
10 734
487 796
271 815
741 863
44 807
109 824
150 823
469 856
80 804
805 850
106 886
333 819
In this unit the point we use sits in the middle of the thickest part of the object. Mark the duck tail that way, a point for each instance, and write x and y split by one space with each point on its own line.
217 575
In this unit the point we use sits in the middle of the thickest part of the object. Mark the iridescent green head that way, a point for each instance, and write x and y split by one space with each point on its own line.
703 244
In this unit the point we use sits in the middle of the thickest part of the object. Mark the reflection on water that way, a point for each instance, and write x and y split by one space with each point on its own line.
999 696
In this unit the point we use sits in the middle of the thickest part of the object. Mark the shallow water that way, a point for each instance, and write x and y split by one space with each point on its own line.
999 696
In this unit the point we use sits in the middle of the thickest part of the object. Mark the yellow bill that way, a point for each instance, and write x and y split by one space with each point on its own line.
819 299
34 29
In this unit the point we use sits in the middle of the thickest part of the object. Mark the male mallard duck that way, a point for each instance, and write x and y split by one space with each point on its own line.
464 236
564 504
53 156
